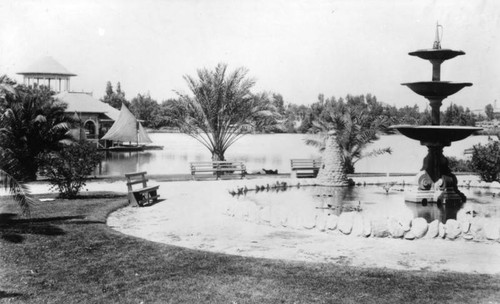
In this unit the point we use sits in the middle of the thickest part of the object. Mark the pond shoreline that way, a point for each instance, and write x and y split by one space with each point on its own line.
196 219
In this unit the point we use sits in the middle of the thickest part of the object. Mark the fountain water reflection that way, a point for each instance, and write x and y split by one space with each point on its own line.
369 201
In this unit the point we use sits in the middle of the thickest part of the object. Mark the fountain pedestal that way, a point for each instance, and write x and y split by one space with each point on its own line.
435 181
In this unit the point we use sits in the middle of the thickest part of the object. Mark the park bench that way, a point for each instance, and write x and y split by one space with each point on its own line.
218 168
141 196
302 168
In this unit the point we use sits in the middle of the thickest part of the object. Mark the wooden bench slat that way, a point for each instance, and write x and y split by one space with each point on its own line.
137 181
305 167
135 174
218 167
147 189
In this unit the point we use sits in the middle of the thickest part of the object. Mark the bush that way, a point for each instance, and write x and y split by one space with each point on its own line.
459 165
68 169
486 161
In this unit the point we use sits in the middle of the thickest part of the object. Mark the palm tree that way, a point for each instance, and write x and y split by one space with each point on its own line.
17 190
221 110
354 129
31 123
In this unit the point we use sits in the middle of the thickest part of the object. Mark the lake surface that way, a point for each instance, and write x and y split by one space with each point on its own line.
271 152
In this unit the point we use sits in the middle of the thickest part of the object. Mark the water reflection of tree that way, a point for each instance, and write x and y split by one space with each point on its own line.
337 199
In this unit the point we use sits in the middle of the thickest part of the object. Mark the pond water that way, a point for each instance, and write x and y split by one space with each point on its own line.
370 201
268 151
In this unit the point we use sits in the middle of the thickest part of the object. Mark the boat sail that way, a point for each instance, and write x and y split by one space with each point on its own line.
127 129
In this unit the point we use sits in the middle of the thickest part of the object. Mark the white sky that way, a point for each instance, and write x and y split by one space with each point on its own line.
296 48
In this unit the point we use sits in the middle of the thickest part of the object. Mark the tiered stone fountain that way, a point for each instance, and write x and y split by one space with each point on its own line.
436 182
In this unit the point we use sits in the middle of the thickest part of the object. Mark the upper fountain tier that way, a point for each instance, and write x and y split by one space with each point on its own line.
436 58
437 54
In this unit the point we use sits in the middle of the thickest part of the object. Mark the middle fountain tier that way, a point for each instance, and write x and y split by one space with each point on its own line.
435 181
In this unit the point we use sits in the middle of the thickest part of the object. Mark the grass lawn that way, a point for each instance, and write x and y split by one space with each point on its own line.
66 254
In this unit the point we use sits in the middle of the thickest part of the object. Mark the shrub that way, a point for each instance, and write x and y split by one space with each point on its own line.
459 165
486 161
69 168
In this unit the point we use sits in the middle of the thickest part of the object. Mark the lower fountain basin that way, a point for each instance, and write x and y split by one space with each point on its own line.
436 89
437 135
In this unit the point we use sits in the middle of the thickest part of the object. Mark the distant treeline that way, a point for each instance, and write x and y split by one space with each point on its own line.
298 118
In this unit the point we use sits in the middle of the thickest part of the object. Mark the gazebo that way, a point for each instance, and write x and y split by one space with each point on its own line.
96 117
47 71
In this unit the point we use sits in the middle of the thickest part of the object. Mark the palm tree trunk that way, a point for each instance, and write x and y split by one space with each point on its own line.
332 171
217 156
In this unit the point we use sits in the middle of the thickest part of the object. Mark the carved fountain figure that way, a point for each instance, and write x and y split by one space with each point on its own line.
436 182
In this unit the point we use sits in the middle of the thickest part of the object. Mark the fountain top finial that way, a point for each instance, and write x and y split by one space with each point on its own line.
438 37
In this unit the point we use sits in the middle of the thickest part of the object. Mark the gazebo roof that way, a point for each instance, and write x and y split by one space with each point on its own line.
46 66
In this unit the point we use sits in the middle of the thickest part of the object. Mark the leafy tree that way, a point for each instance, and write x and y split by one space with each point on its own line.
279 103
160 115
222 109
144 107
459 165
69 168
355 128
115 99
486 161
408 115
490 114
31 122
457 116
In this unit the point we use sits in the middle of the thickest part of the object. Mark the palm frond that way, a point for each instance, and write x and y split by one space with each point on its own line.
19 192
378 152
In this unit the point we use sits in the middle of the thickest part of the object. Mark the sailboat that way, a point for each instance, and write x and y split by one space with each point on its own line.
129 129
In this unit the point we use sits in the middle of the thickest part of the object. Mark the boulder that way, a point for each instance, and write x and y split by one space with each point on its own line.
442 230
309 221
409 235
433 229
331 222
419 227
345 222
405 223
453 229
465 215
465 226
367 227
357 225
379 227
395 228
321 220
292 221
492 230
477 228
468 236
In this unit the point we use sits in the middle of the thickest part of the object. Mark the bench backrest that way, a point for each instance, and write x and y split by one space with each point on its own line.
136 178
218 164
299 163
